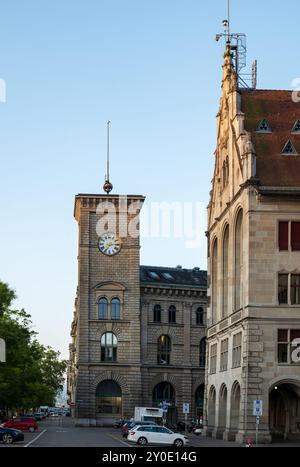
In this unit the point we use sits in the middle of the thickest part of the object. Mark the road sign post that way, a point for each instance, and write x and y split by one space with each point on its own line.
165 406
186 411
257 412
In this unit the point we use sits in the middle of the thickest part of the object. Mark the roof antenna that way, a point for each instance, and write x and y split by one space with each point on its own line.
107 187
236 46
226 24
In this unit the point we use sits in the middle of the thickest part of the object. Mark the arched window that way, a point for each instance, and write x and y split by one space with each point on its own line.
238 250
211 412
172 314
200 316
109 398
115 308
202 352
163 350
157 314
163 392
109 344
214 281
225 272
103 308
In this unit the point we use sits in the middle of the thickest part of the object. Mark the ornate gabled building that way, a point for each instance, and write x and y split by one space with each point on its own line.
254 265
138 333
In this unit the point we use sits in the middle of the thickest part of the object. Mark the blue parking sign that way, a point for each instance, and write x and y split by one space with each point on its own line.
258 407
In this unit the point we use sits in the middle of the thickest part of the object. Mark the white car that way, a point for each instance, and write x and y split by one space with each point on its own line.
143 435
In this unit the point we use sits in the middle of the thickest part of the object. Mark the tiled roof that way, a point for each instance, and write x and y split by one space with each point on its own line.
279 110
173 276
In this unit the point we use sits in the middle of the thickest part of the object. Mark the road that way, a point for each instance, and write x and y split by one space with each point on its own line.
61 432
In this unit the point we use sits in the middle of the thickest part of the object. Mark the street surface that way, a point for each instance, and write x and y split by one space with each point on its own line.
61 432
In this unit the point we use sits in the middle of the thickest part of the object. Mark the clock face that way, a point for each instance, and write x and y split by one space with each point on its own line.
109 244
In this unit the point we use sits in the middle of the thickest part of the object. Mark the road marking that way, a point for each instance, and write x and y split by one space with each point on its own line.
118 439
34 439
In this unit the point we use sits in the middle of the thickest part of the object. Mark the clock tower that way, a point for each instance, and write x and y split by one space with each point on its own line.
106 364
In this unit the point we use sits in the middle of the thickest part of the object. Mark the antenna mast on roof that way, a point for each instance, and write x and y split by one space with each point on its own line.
236 43
107 187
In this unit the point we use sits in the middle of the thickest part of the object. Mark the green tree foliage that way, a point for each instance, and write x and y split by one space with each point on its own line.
33 374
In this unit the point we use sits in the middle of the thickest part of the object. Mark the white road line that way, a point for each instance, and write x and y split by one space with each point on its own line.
34 439
120 441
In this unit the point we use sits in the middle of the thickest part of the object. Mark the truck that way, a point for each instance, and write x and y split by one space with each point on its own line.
148 414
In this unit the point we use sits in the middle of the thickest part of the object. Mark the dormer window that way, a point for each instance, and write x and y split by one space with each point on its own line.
296 127
289 149
264 127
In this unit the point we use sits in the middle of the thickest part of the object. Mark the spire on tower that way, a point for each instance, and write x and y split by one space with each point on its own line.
107 187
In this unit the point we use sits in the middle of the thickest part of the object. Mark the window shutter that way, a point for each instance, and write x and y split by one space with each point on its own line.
283 236
295 234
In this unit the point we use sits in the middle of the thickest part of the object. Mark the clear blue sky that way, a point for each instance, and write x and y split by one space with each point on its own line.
152 68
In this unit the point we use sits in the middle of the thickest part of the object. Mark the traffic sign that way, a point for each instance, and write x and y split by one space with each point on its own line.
258 408
165 407
186 407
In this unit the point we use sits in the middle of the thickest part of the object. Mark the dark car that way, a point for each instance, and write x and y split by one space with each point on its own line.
38 416
119 423
129 425
9 435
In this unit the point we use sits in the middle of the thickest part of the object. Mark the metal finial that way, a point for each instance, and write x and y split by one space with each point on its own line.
107 187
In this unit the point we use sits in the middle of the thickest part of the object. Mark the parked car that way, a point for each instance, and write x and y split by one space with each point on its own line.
9 435
28 418
19 424
197 430
132 423
151 434
39 416
119 423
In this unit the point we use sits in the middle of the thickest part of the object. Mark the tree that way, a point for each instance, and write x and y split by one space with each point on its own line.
33 374
6 297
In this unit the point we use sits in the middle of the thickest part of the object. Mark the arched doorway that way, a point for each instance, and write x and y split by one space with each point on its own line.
164 392
211 413
284 411
199 401
235 403
222 407
108 399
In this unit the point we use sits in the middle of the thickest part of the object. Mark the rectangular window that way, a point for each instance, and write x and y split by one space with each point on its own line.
237 350
213 359
283 236
224 355
283 288
295 289
295 236
283 344
287 345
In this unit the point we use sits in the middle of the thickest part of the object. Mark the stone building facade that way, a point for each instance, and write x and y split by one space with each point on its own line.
254 265
138 332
